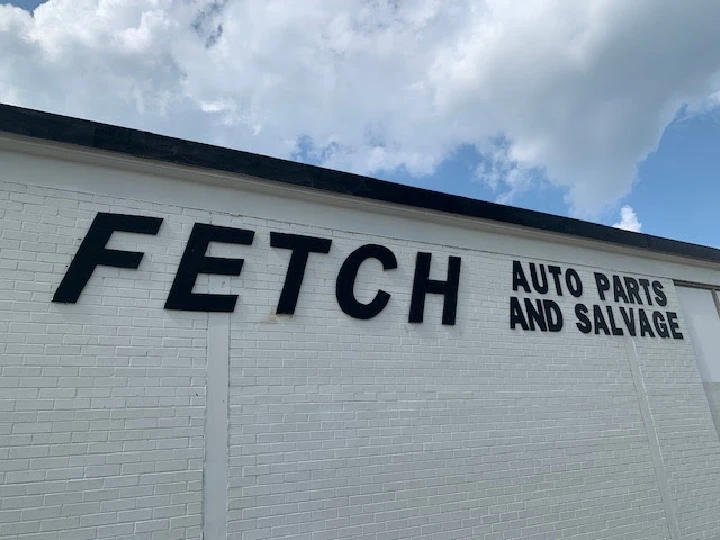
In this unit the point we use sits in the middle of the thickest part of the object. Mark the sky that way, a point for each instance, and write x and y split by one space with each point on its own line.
604 110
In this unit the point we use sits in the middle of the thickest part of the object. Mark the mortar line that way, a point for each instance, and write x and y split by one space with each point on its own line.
653 441
216 428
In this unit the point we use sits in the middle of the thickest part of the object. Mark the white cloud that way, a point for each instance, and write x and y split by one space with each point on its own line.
576 91
628 220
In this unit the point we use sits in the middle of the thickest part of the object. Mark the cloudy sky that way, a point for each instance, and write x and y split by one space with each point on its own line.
606 110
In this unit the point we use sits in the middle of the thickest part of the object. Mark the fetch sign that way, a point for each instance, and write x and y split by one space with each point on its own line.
93 253
541 314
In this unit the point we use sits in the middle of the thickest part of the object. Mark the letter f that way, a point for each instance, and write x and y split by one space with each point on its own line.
92 252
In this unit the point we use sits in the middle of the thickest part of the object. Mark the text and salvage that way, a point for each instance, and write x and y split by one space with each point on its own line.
638 315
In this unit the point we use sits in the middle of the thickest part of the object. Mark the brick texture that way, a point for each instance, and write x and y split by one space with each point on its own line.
338 428
101 403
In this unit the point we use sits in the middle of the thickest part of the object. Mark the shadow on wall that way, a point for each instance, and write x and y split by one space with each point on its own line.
701 308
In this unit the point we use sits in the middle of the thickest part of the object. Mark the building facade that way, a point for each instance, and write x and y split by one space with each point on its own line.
202 343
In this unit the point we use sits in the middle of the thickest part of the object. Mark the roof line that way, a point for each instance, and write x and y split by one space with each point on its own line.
141 144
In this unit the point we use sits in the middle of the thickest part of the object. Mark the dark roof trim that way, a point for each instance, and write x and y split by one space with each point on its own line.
140 144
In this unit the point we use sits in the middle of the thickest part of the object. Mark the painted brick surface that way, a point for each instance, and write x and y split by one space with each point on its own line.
101 405
389 430
712 391
337 428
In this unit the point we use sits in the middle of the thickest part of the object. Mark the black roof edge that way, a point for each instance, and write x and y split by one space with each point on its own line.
140 144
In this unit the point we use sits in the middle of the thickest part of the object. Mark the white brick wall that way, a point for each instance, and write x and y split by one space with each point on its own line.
337 428
101 404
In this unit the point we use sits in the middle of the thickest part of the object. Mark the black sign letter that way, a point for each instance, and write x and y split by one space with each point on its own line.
573 282
92 252
519 279
517 315
422 285
602 283
660 296
540 286
583 324
674 327
661 326
629 318
195 262
555 272
301 247
345 283
553 315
